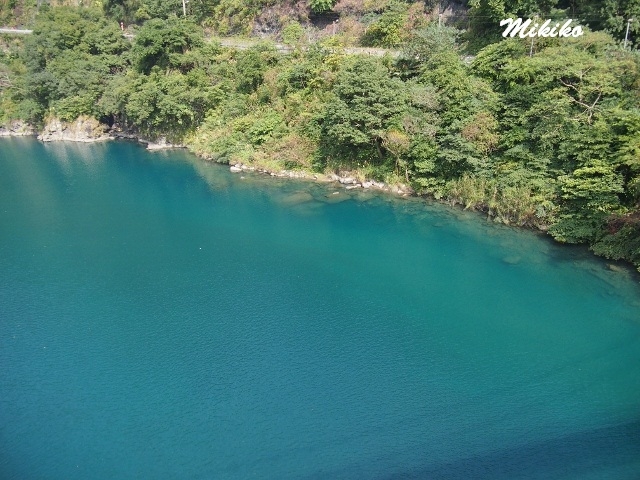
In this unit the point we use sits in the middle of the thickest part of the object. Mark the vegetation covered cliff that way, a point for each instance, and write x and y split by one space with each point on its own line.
541 132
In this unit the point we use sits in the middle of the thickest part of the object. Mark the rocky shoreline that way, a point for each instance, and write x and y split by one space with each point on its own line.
348 179
83 130
89 130
17 128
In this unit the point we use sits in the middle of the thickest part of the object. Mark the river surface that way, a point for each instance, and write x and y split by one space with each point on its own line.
163 318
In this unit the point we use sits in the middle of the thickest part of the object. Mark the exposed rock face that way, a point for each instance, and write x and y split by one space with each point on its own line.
272 18
347 179
16 128
159 144
88 129
83 129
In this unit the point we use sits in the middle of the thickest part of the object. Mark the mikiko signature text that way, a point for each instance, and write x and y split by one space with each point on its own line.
524 29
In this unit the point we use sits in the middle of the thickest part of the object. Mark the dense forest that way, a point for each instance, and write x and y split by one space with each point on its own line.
535 132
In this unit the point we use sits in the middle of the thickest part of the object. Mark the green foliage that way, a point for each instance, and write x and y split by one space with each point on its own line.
162 43
594 187
367 103
429 43
139 11
320 6
252 65
122 10
266 127
590 194
386 30
485 15
151 9
625 127
509 204
292 33
17 12
611 15
69 59
79 83
621 240
167 103
232 17
490 61
260 136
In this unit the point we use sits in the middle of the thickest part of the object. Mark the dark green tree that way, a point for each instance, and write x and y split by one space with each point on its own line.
162 43
367 103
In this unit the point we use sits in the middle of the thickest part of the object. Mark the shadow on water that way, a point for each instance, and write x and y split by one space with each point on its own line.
612 272
570 456
591 453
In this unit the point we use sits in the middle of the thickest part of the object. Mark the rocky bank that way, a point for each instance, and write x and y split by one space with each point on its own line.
83 129
348 179
87 129
16 128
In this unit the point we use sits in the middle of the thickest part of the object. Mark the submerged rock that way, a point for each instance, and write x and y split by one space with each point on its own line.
335 197
512 259
616 268
307 208
296 198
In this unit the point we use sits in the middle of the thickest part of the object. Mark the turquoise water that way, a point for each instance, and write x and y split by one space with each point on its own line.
162 318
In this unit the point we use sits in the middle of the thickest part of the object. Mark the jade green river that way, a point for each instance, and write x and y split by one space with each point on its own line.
163 318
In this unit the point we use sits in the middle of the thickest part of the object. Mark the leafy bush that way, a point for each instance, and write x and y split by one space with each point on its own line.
387 30
320 6
293 33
